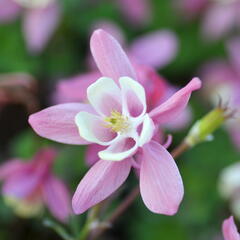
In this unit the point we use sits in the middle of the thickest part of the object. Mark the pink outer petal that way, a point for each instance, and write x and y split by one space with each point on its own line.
137 11
219 19
111 28
160 181
229 230
233 47
154 85
155 49
91 156
10 167
235 134
110 57
26 177
175 104
57 197
39 25
9 10
22 184
57 123
101 180
75 89
192 7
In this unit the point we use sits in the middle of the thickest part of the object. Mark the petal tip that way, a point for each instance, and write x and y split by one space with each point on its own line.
196 83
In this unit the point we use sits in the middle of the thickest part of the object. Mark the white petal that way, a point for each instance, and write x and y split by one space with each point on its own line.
105 96
119 150
91 128
134 98
147 131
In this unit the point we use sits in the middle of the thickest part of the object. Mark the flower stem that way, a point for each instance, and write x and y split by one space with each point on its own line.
183 147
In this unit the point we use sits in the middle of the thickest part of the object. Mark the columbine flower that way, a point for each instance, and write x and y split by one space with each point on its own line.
229 230
222 79
41 18
117 119
27 186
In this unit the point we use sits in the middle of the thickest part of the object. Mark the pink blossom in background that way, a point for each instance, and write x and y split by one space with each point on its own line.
137 12
40 19
117 119
191 8
222 79
27 186
219 18
229 230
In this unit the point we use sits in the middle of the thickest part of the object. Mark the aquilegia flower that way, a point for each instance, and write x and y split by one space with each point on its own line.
27 186
229 230
117 119
41 18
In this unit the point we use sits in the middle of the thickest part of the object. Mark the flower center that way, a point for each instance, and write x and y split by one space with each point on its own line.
33 3
117 122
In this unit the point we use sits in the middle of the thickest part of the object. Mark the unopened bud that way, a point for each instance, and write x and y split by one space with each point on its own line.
202 130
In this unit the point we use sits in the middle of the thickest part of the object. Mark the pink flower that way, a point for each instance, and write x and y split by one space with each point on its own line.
117 118
222 79
229 230
221 17
41 18
29 185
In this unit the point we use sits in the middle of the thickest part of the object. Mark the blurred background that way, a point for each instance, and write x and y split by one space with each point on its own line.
41 48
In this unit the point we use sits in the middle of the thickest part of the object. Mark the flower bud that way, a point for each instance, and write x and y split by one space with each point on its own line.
202 130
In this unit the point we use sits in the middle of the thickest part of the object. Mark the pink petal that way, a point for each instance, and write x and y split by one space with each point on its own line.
154 85
233 46
219 19
39 25
136 11
44 158
101 180
235 134
192 7
10 167
75 89
22 184
175 104
160 181
110 57
57 123
229 230
111 28
9 10
57 197
155 49
91 155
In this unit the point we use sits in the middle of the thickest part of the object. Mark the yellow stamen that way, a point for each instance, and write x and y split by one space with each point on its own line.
117 122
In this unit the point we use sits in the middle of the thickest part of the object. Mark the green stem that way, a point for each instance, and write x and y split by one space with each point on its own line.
91 219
